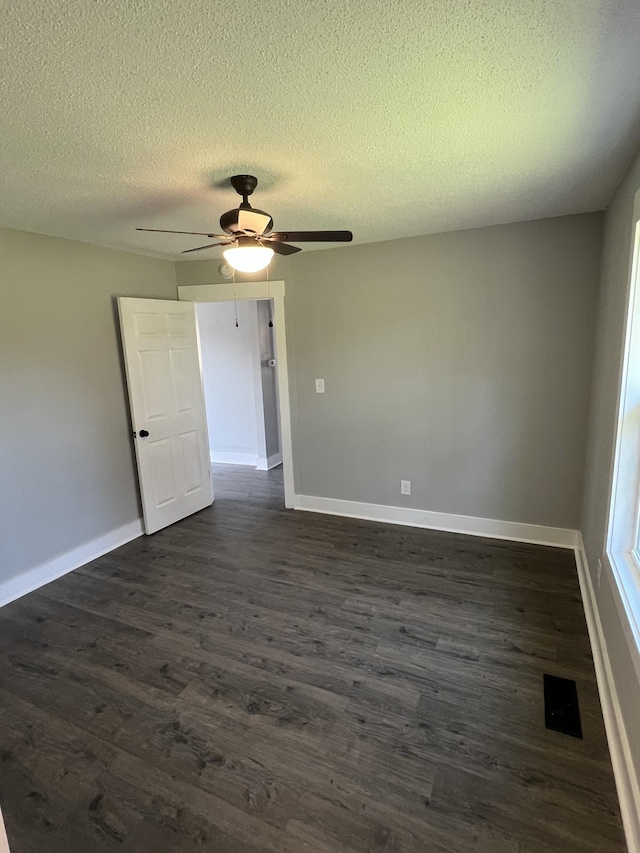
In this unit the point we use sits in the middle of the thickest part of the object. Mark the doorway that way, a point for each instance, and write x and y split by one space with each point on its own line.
239 372
268 297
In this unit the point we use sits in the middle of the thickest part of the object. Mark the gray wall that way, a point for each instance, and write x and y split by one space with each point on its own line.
458 361
616 256
208 272
230 369
66 463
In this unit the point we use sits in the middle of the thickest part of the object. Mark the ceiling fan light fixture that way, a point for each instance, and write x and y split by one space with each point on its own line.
248 256
249 228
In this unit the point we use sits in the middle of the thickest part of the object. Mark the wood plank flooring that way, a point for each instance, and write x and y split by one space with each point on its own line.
254 679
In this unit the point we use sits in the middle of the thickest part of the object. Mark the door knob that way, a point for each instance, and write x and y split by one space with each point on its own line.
143 433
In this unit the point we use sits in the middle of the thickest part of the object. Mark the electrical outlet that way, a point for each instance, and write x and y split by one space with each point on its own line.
319 386
599 572
405 487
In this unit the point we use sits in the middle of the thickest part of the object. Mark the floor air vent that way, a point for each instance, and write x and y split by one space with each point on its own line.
561 710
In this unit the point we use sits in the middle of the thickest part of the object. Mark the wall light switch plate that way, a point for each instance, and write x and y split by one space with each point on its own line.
319 386
405 487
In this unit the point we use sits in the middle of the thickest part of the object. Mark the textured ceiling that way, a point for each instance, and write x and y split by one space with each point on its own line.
390 118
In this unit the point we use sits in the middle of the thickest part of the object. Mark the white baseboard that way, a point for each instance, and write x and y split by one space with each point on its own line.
52 569
218 456
262 463
511 530
621 759
266 464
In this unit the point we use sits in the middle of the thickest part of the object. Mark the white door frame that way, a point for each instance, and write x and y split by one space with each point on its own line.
260 290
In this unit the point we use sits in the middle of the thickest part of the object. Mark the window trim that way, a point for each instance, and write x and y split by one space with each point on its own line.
622 548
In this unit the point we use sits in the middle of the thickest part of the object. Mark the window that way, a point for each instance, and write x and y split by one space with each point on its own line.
623 537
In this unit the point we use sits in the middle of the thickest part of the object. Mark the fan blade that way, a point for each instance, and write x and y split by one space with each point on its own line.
197 233
208 246
282 248
312 236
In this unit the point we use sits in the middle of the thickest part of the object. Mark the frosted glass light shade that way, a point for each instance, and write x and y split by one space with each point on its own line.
248 258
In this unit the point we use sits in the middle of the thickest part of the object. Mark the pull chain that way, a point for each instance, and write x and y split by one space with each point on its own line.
235 298
270 305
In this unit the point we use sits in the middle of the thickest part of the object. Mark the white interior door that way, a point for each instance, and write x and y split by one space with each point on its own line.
162 358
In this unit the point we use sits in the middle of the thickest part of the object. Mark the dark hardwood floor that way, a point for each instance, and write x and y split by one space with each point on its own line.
254 679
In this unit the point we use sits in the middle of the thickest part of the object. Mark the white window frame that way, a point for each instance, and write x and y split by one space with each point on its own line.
623 532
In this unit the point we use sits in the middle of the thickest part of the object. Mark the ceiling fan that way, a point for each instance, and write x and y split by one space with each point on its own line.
251 230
